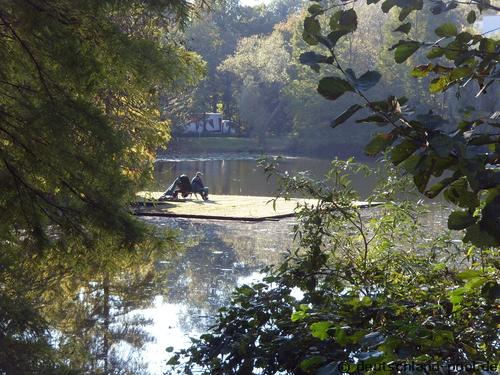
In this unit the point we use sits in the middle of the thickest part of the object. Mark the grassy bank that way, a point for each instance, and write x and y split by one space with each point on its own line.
190 145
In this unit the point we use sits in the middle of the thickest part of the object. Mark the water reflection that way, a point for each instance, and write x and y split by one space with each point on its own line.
218 256
237 176
99 325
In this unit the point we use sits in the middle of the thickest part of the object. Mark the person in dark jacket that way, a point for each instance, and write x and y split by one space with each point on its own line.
180 185
198 187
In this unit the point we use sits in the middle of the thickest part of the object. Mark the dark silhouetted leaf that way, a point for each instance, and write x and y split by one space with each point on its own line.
315 9
475 235
402 151
311 29
471 17
333 87
330 369
404 28
374 118
387 5
438 187
405 12
491 291
460 220
344 20
311 362
313 59
346 115
334 36
368 80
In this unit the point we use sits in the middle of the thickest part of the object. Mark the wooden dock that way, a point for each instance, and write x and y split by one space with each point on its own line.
221 207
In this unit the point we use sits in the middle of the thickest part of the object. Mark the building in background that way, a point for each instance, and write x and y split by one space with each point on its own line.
206 124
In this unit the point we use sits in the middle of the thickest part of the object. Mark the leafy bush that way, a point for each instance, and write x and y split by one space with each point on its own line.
361 288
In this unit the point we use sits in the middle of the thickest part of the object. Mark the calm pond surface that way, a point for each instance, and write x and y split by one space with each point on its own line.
238 174
217 255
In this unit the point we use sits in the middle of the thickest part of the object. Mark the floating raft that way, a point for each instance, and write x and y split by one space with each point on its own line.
222 207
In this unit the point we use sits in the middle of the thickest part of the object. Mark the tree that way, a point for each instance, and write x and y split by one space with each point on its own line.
79 126
260 64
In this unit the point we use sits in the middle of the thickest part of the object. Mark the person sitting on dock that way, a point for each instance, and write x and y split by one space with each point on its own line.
198 187
180 185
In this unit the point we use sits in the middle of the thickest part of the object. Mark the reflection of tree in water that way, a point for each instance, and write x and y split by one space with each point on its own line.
96 331
220 253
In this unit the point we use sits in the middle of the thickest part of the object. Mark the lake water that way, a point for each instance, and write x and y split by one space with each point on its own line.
236 174
216 256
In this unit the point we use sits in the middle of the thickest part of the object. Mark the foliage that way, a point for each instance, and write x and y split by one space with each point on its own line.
79 126
358 290
462 162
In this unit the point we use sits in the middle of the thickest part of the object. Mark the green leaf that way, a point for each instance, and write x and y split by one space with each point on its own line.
316 9
368 80
459 220
421 71
320 329
345 115
439 84
470 274
299 315
404 50
402 151
311 362
379 143
446 30
471 17
312 26
403 28
438 187
333 87
311 29
435 52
